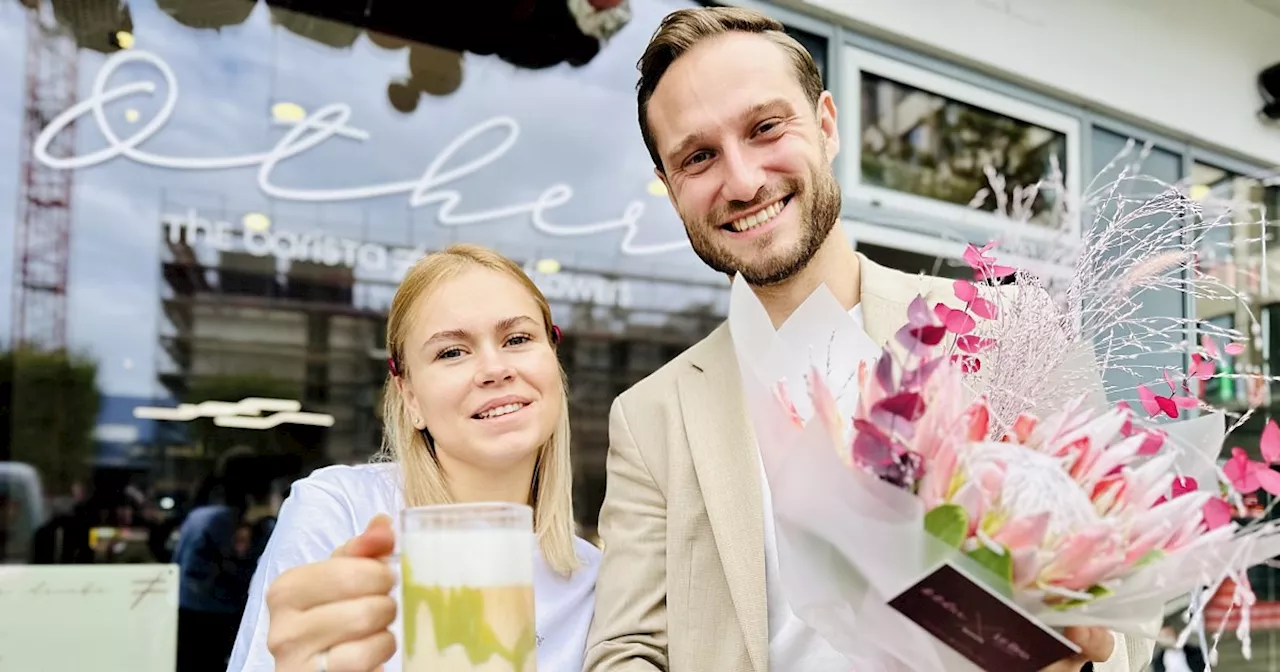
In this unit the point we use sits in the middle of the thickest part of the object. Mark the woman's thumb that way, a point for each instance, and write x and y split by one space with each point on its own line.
377 540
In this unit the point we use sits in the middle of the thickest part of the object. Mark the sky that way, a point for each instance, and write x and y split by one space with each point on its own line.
576 128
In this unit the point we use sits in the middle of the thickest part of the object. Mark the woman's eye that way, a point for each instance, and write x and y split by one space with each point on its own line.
520 339
449 353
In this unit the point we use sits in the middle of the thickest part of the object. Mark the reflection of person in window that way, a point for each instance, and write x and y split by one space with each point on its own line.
217 551
454 361
742 133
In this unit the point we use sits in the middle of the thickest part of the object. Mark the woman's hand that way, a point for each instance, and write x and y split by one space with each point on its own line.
1096 646
335 615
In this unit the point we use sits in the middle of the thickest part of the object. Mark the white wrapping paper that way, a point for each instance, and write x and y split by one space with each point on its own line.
849 542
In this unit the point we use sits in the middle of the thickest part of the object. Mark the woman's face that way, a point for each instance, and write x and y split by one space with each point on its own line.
482 376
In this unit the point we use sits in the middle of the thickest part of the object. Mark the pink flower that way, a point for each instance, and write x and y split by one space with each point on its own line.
1020 533
1248 476
1082 558
824 408
1217 512
784 398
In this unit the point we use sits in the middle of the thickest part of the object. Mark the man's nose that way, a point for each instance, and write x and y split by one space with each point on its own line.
744 176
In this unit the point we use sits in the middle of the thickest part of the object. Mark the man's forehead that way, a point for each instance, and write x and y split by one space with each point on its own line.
718 81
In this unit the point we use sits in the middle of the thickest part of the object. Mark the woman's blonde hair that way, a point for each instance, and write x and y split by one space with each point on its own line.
551 492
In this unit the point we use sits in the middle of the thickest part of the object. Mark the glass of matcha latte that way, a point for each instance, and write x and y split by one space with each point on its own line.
467 588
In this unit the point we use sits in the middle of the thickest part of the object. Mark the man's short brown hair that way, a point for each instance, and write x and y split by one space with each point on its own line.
683 29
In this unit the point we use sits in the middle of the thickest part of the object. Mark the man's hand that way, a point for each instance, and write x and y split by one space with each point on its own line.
1096 646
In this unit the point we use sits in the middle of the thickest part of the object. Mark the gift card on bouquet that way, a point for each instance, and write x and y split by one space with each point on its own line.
981 624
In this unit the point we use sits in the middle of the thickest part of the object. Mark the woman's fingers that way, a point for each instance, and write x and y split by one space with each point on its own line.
302 634
333 580
365 655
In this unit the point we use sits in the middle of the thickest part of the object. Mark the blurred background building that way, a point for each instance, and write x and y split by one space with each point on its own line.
214 201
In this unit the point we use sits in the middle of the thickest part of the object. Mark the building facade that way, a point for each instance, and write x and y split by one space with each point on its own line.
216 201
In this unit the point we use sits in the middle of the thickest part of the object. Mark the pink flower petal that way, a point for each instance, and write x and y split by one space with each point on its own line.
918 312
1184 484
1168 380
1238 471
984 309
959 322
1271 442
1152 442
965 290
1148 400
1210 346
941 311
968 363
974 257
1201 368
1168 407
907 405
1023 532
1234 348
1268 478
973 344
1216 512
1186 402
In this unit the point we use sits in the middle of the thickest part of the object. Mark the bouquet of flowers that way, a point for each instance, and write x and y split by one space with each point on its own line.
978 441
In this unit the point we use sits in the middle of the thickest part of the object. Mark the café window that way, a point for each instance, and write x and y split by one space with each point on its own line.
924 141
1236 262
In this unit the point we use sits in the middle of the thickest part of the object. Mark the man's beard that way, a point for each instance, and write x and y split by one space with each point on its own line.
819 208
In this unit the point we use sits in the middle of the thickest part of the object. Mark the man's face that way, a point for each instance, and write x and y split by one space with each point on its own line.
747 159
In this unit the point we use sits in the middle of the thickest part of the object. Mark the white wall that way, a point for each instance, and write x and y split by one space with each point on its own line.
1187 67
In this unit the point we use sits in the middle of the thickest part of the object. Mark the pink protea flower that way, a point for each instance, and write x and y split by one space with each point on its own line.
1061 505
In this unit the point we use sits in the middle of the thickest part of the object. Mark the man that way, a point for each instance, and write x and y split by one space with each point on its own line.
742 133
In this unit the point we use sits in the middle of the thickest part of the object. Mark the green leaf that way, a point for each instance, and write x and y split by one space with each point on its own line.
1151 556
949 522
999 564
1096 592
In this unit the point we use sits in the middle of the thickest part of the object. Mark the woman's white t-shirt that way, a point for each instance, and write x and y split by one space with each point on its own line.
336 503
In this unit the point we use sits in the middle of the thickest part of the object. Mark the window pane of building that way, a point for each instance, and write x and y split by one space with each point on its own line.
928 145
1235 260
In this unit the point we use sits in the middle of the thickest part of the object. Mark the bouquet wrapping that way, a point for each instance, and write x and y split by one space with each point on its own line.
1073 518
978 441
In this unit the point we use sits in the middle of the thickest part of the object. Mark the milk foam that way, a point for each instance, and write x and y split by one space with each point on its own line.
476 558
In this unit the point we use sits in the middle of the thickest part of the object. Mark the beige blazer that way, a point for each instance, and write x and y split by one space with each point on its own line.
682 580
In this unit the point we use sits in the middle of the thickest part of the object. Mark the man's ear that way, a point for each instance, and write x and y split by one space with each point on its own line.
828 123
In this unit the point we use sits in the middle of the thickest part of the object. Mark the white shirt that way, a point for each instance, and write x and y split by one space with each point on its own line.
336 503
793 645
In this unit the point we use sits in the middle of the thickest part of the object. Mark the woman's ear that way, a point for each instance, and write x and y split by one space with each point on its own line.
410 401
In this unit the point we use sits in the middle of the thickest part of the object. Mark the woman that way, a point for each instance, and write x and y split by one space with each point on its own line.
466 329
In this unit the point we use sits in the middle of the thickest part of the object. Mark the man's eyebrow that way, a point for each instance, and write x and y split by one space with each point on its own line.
688 142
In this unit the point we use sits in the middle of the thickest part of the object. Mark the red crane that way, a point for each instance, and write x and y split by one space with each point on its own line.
42 245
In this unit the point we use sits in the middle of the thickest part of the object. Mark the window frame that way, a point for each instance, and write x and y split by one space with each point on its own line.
973 224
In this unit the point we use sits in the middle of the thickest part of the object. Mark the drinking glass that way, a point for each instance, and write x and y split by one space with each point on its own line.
467 588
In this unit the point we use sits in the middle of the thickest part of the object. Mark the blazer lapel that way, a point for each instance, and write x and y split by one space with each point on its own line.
886 293
725 458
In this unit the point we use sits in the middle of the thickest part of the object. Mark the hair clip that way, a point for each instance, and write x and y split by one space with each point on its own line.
555 334
391 364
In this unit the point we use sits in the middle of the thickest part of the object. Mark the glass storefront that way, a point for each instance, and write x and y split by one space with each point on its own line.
214 202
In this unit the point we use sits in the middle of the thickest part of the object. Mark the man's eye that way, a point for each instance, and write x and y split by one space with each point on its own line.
697 158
